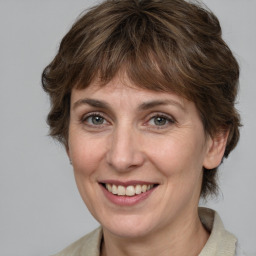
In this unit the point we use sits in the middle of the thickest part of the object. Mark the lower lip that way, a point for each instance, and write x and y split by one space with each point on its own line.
126 200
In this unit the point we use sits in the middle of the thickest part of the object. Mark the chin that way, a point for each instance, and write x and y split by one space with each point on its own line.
129 226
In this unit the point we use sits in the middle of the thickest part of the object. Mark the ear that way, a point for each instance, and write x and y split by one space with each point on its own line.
215 149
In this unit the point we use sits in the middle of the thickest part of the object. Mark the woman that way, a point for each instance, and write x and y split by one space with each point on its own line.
142 97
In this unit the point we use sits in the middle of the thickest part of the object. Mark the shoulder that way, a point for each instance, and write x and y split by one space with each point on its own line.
87 245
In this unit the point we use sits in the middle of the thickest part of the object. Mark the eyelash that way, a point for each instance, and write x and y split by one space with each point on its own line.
84 119
169 120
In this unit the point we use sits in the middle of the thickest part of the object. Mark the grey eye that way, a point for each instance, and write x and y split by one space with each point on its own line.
159 121
96 120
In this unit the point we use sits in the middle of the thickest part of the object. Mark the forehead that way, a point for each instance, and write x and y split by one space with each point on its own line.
118 94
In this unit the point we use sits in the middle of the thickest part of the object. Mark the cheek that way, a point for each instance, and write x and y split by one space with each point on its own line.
180 161
85 152
177 155
86 155
181 165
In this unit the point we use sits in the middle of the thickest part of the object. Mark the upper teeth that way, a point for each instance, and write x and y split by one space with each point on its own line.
129 190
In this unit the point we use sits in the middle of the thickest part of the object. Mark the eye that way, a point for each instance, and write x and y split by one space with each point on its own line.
94 120
161 121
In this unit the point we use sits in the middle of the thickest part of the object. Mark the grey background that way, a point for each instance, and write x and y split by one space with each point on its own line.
40 208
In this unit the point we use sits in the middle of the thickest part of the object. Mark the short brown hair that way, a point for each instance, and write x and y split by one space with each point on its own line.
161 45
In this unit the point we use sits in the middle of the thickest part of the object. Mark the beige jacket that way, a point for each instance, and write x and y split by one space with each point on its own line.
220 242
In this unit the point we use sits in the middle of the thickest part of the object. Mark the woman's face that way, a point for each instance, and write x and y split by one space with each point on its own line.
137 156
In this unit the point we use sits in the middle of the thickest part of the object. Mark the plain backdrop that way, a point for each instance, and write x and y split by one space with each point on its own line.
40 208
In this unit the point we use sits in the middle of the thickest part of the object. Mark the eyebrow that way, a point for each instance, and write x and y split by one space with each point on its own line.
91 102
155 103
143 106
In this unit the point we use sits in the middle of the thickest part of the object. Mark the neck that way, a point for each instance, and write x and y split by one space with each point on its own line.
184 237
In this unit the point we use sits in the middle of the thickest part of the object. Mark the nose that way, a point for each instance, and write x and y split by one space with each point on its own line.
125 150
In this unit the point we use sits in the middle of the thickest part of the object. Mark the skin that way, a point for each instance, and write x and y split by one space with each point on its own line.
120 138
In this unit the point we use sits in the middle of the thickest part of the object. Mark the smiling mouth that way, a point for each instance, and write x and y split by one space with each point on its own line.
130 190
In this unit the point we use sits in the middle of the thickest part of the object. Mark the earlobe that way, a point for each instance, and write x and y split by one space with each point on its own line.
215 151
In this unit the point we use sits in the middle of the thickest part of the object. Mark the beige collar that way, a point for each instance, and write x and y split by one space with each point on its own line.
220 242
